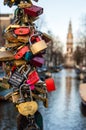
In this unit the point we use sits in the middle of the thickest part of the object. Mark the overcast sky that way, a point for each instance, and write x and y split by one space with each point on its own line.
58 14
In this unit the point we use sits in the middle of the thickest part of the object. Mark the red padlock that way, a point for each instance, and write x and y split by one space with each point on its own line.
34 11
33 77
22 31
35 39
50 84
21 52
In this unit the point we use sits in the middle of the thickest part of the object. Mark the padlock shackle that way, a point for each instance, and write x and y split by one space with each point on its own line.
25 73
37 34
20 91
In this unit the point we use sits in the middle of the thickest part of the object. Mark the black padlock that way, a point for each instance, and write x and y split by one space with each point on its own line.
17 78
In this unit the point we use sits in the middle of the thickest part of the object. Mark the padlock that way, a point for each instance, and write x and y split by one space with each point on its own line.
21 52
10 36
17 78
23 39
5 55
20 47
37 61
37 46
50 84
28 56
12 26
35 38
33 11
32 87
19 62
12 45
33 77
27 107
22 31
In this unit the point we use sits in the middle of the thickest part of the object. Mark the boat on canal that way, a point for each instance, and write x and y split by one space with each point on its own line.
82 91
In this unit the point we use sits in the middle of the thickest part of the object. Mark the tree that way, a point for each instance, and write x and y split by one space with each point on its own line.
78 55
80 52
54 54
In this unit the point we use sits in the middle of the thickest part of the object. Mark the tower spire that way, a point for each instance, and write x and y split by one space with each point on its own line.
70 27
70 35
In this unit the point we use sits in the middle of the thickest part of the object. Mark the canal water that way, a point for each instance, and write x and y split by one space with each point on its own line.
65 111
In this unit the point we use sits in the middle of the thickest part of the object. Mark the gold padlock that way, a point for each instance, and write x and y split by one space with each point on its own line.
37 46
23 39
12 26
11 45
19 62
10 37
27 108
5 55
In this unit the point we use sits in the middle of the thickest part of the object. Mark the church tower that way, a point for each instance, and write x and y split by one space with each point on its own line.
69 62
70 40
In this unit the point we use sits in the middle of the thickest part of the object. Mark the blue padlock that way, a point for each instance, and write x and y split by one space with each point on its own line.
28 56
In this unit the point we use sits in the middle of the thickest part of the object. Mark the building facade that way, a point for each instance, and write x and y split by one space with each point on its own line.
5 20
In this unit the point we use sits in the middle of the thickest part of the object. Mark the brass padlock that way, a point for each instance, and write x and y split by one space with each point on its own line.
12 45
37 46
23 39
27 108
10 36
6 55
26 105
12 26
19 62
